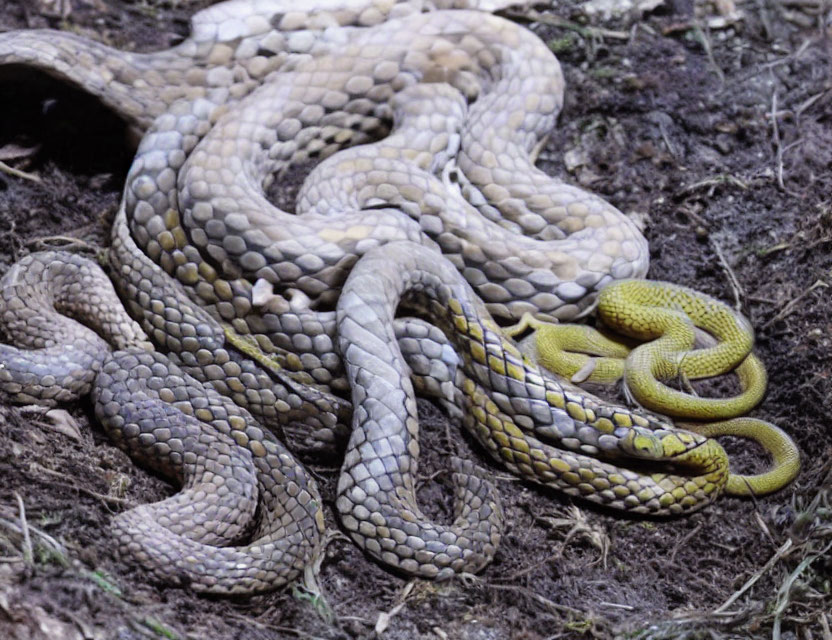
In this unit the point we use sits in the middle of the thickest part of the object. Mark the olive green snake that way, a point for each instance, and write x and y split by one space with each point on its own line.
238 295
663 318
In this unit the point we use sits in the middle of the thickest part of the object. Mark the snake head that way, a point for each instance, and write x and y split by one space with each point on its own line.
663 444
676 450
642 444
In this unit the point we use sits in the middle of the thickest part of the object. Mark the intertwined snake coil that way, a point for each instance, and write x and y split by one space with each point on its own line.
236 294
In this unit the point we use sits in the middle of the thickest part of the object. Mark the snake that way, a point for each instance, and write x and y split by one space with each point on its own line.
663 319
261 319
237 478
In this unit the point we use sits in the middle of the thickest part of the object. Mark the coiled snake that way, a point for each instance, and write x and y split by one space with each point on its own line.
236 292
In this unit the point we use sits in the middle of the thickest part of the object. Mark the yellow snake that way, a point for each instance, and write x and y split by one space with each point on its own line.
235 291
662 318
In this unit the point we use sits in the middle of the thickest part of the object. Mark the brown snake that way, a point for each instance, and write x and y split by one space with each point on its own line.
204 261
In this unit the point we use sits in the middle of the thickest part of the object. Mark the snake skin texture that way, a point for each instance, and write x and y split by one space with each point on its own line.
261 314
222 218
516 410
236 477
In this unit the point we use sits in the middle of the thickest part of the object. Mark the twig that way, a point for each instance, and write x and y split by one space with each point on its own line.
780 150
89 492
557 21
16 152
666 139
722 178
86 629
55 546
705 41
780 553
792 57
694 216
809 102
805 4
545 602
271 627
18 173
682 542
70 243
309 588
384 617
785 311
535 565
824 623
58 420
818 242
763 526
765 20
736 287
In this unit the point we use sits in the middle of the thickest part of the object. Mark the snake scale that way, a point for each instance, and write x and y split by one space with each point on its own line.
263 317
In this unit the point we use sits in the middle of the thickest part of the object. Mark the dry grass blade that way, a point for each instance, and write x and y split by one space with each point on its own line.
783 594
780 553
736 287
28 554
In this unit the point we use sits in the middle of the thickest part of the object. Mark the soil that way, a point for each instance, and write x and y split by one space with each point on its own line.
712 130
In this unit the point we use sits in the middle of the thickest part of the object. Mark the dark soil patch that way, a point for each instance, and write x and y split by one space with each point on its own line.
718 138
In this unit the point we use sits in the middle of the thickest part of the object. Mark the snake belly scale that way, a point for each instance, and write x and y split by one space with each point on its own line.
235 293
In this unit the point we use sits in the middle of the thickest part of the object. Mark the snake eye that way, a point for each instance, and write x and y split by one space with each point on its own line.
645 446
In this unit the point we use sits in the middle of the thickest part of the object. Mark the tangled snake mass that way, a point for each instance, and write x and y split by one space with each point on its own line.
422 233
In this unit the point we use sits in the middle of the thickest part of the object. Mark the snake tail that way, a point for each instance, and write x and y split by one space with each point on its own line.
777 443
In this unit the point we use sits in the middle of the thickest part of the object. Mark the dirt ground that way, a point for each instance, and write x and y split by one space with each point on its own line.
711 127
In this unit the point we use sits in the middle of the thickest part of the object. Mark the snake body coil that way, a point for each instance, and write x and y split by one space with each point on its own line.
238 480
238 294
542 429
